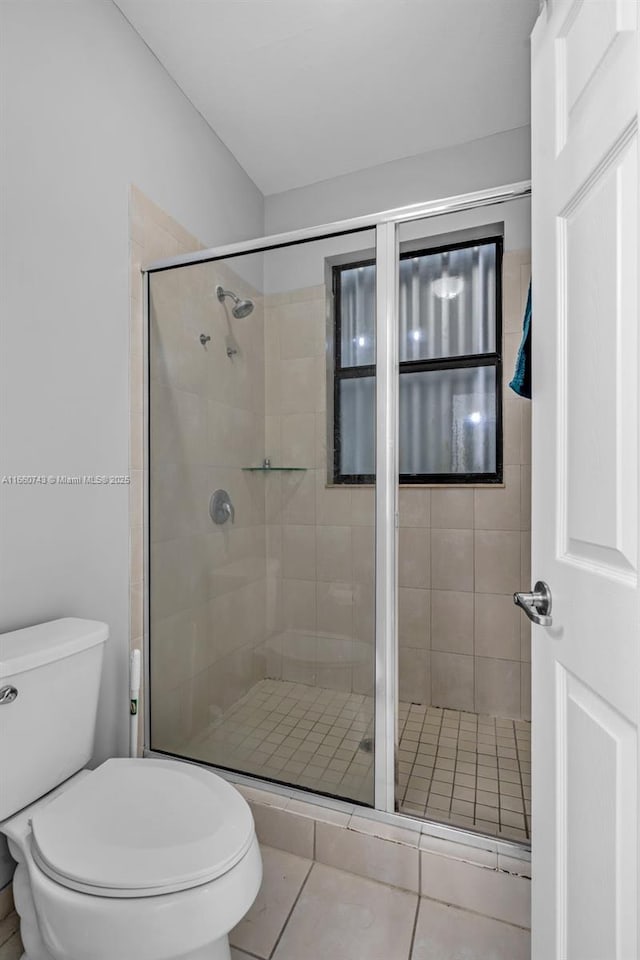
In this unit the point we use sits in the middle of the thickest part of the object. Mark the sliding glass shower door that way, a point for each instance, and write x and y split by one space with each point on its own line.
339 512
262 470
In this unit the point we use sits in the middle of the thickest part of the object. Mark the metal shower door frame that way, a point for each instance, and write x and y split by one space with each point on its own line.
386 224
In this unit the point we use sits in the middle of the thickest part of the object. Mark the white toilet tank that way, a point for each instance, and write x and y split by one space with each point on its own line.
49 684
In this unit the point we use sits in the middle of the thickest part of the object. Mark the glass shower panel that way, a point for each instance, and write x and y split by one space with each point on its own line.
464 738
261 567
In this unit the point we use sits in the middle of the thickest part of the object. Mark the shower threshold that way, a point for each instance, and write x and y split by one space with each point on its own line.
455 767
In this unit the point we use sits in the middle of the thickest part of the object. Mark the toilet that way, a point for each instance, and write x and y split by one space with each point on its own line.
139 859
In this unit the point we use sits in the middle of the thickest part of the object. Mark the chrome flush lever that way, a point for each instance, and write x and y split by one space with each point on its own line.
536 605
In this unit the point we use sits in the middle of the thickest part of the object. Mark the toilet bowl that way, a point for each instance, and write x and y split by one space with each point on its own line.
139 859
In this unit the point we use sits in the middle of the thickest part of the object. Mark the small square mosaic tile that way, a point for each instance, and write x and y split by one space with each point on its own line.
454 767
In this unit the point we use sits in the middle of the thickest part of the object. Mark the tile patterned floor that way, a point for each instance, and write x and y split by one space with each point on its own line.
10 942
455 767
308 911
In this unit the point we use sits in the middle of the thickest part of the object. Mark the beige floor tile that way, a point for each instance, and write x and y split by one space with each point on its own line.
9 926
283 877
12 949
447 933
342 917
240 955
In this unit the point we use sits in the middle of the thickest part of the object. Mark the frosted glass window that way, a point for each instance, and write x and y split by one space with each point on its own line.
450 366
357 316
448 421
356 436
448 303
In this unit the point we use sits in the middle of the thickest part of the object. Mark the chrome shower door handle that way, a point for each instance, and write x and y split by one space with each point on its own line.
536 605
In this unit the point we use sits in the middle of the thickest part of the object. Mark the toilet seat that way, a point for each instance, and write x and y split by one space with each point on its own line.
142 828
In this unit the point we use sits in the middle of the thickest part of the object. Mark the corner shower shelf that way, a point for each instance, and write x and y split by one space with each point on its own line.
262 469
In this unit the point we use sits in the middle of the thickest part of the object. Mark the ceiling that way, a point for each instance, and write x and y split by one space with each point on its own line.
306 90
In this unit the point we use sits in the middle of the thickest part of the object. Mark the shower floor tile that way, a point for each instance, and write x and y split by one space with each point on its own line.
455 767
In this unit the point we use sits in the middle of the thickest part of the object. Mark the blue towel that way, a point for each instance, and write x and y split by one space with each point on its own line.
521 383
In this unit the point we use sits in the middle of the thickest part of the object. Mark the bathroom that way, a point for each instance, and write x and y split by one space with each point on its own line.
251 556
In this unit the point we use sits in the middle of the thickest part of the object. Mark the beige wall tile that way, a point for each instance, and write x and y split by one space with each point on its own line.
497 626
497 687
500 508
525 690
452 509
364 554
363 506
525 498
483 891
299 605
452 680
512 427
525 455
333 552
414 683
335 609
295 393
301 330
136 557
273 438
414 617
333 504
298 441
452 621
366 856
299 552
452 559
497 561
364 612
299 658
413 557
525 561
525 638
298 491
414 507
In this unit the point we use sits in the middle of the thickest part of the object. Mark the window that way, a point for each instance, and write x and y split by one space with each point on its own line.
450 366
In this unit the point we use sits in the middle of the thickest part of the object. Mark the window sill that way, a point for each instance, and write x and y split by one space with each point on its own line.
419 486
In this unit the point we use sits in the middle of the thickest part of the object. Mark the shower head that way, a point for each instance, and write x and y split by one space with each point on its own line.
241 308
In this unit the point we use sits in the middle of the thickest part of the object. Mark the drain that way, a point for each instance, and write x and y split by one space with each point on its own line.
367 744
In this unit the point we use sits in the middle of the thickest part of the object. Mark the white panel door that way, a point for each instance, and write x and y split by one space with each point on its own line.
585 479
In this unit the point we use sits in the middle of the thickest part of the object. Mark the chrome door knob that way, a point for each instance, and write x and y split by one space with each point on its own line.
536 605
8 694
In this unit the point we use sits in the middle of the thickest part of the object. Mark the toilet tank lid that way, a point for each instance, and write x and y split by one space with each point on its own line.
31 647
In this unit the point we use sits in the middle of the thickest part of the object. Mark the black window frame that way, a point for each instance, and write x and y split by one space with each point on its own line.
492 359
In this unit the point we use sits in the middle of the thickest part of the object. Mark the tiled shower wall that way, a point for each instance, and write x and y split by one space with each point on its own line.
462 551
208 588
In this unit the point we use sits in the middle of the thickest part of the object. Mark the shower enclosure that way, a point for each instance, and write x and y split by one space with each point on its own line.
320 411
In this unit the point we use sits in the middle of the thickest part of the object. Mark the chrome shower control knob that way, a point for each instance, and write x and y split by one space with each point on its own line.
8 694
220 507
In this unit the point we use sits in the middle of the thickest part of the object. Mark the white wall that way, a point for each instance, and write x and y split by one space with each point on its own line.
87 110
479 164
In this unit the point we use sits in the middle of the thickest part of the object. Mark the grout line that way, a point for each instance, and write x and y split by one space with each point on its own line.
413 932
294 905
475 913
